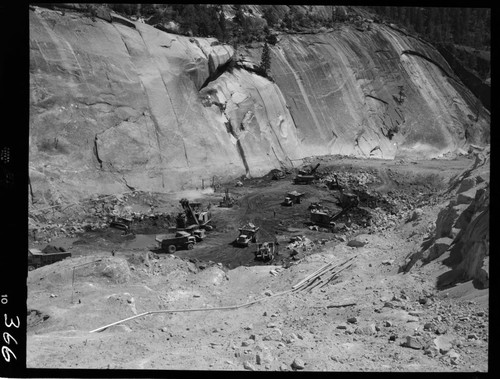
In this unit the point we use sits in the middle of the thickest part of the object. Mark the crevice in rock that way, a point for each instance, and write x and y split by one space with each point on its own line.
243 158
376 98
128 186
96 152
239 148
171 103
417 54
213 76
31 191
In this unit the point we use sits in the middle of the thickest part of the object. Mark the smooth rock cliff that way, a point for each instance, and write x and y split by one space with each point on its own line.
121 105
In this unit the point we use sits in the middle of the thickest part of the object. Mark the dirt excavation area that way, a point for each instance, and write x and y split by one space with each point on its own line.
359 294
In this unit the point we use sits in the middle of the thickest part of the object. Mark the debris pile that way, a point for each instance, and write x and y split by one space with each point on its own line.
96 213
299 244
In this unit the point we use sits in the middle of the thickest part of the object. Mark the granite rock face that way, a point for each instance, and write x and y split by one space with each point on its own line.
120 105
463 230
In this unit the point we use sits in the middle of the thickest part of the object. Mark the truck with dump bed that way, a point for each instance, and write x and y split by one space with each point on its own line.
37 258
247 233
292 197
181 240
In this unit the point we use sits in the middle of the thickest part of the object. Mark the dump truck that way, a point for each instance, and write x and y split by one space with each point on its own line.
227 201
306 177
292 198
181 240
265 251
38 258
248 233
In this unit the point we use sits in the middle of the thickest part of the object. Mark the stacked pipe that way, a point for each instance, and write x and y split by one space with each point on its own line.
322 276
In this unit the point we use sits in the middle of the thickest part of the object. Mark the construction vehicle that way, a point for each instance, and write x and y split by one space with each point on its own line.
181 240
265 251
321 217
248 233
196 216
292 197
306 177
277 174
38 258
333 184
348 200
122 223
227 201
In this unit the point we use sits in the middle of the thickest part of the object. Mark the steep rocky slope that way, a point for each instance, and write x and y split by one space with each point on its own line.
461 237
120 105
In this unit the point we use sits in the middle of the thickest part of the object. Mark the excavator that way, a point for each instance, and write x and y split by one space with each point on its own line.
227 201
347 202
306 177
201 219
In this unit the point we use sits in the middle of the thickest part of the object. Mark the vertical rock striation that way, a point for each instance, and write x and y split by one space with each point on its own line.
117 104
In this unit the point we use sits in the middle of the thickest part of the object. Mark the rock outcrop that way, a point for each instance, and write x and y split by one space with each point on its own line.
462 229
119 105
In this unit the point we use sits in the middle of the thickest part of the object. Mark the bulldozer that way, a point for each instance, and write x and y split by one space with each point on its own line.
306 176
265 251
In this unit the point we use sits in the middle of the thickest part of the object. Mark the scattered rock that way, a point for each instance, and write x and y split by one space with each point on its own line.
357 242
352 320
415 313
413 343
454 356
416 215
388 323
443 344
248 366
366 330
298 364
431 351
429 326
388 262
273 335
441 329
247 342
264 357
423 300
283 367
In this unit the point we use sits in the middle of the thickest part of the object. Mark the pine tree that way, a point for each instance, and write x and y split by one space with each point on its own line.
265 63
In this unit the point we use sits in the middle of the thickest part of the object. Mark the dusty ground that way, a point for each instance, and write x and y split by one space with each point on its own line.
314 329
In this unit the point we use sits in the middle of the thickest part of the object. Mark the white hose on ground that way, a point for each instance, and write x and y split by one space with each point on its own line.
293 289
